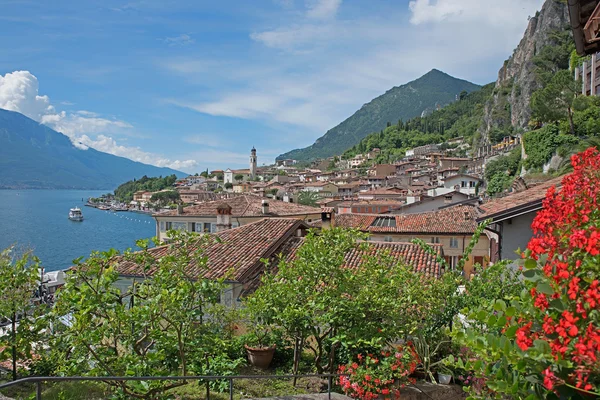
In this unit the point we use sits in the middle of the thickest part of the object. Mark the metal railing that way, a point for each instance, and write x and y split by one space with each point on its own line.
39 380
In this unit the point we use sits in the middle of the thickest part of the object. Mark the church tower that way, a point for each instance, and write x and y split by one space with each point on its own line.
253 161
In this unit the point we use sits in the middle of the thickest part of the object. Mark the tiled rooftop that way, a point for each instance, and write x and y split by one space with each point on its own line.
238 253
451 220
239 250
516 200
247 205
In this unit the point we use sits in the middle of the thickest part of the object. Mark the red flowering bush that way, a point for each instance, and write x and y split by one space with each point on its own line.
545 343
375 375
563 265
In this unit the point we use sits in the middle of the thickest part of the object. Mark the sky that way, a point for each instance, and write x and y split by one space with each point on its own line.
196 84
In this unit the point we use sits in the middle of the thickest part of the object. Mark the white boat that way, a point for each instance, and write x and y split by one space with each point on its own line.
75 214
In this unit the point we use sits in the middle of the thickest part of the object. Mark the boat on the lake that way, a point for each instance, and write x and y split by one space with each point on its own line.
75 214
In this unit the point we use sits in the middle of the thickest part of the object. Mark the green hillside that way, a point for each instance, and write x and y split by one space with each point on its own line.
460 118
427 93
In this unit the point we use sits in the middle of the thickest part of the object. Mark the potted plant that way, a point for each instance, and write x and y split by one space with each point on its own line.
444 375
260 347
426 356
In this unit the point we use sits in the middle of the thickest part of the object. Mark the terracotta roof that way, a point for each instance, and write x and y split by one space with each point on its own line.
463 175
319 184
382 202
409 253
247 205
451 220
239 251
515 201
384 191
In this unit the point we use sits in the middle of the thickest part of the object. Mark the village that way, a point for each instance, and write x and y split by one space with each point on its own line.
428 196
453 255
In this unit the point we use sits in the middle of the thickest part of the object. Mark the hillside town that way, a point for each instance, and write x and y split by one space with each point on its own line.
450 255
429 195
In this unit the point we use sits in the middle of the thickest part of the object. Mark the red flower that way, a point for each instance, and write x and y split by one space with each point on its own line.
523 339
548 379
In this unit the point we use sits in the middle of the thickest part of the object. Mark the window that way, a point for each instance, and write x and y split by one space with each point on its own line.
388 239
162 226
463 184
435 240
179 226
169 225
213 228
206 228
451 261
453 243
235 224
389 222
472 184
193 227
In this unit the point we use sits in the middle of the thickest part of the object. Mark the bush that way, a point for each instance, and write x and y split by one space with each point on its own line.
378 375
541 144
545 342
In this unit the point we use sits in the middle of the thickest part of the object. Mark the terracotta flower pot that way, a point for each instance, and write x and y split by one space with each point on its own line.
260 357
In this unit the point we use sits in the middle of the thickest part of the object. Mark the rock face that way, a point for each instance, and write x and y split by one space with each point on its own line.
516 79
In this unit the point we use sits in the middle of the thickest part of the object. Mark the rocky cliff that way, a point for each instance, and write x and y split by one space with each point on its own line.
509 106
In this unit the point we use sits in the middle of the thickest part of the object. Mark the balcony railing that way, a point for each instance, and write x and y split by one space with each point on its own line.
40 380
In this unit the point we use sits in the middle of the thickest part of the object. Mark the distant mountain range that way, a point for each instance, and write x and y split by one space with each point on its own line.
425 94
33 156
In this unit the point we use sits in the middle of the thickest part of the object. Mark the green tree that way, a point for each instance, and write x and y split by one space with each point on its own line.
239 177
228 185
166 197
555 101
325 306
19 278
308 198
163 324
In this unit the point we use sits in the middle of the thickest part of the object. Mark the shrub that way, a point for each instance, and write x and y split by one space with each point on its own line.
375 375
545 343
541 144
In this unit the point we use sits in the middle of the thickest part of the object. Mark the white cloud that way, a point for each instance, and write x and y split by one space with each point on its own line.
19 91
109 145
205 140
182 40
491 11
323 9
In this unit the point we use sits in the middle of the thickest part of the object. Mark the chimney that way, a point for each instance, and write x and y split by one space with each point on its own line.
265 207
223 217
179 209
326 219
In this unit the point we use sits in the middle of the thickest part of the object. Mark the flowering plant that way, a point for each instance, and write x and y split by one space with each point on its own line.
377 375
545 343
562 266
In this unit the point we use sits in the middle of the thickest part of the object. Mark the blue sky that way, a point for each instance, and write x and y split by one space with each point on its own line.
196 84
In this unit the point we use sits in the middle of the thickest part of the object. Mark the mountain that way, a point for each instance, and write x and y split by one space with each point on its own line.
420 96
33 156
461 118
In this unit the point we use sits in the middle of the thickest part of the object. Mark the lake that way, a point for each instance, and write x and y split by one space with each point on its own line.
38 220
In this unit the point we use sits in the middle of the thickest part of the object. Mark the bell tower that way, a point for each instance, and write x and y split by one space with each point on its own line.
253 163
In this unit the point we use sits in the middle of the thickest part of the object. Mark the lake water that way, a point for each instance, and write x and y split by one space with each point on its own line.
37 220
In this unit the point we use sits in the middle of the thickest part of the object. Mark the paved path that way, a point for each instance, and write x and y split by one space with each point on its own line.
321 396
